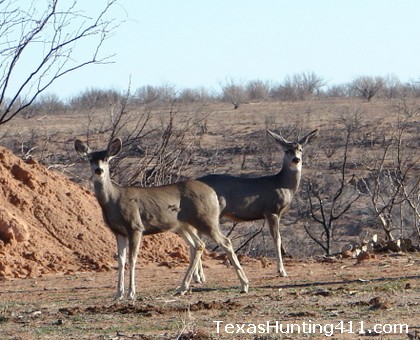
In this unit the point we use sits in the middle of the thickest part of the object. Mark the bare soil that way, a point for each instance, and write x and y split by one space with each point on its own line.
384 291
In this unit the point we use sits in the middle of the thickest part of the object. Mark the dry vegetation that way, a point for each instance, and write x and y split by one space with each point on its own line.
378 141
366 153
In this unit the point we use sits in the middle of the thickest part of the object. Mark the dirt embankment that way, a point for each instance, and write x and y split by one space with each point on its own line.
49 224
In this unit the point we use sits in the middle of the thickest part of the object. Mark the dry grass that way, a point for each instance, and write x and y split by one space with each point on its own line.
228 140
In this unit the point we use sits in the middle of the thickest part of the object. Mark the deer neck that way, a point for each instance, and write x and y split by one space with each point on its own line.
105 190
290 178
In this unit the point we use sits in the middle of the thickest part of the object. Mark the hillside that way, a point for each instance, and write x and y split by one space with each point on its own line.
49 224
203 138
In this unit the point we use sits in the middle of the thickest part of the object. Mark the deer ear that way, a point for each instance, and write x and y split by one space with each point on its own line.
81 148
309 137
115 147
279 139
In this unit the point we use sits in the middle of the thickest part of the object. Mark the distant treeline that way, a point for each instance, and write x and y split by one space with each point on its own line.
300 86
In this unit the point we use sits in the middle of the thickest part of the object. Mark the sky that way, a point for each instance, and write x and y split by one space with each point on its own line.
194 43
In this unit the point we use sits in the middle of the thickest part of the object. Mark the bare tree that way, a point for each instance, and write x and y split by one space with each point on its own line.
233 93
412 197
55 38
367 87
165 160
392 87
95 98
258 90
384 190
300 86
392 182
158 145
155 96
327 205
307 84
196 95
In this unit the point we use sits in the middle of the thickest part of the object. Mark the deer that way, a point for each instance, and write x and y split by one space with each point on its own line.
190 208
267 197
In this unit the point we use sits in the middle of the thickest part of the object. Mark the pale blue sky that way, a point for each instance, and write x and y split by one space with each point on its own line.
192 43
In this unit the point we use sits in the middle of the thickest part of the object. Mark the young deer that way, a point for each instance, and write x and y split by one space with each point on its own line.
186 208
267 197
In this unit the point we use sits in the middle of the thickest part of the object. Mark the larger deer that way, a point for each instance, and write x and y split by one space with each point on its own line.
186 208
267 197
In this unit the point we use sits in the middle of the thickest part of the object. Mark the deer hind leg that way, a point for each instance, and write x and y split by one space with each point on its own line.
198 272
197 247
274 225
122 245
226 245
134 246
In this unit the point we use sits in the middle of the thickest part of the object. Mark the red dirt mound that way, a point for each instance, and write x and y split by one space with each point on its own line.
49 224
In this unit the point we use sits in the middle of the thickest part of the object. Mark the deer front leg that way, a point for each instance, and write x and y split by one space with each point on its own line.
122 243
274 225
134 246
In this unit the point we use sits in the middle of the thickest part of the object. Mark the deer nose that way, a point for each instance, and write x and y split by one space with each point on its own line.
296 160
99 171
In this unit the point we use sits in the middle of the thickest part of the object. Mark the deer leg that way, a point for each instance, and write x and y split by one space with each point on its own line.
274 225
226 245
199 275
197 248
198 272
122 253
134 246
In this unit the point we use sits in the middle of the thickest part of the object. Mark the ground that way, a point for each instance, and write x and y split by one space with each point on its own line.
381 293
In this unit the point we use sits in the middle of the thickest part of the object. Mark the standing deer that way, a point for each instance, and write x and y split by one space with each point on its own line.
187 208
267 197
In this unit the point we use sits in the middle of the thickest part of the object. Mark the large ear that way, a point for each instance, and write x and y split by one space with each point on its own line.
81 148
279 139
114 148
309 137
